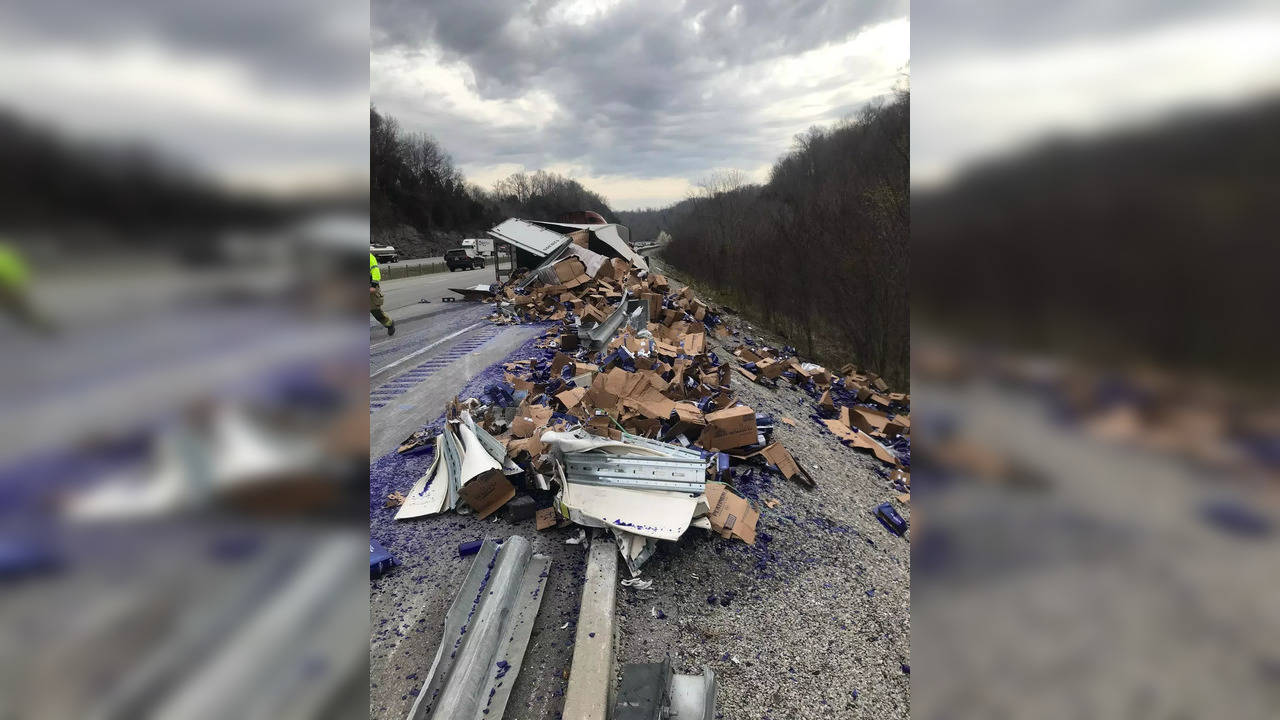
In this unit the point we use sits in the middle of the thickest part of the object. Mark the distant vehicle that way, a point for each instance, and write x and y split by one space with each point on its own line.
384 253
463 259
482 246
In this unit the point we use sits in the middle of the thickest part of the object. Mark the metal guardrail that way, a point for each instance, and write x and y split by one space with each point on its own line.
630 311
486 632
397 271
637 472
667 449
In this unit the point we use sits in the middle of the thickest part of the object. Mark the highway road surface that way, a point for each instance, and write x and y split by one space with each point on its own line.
437 347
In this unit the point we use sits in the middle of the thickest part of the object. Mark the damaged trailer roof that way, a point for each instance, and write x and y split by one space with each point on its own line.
626 233
529 237
617 237
611 235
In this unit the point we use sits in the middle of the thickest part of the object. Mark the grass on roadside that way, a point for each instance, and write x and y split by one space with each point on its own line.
397 271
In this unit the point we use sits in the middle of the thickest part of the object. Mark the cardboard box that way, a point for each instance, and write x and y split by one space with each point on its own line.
864 419
546 518
559 362
655 304
861 440
529 419
487 492
571 398
771 369
825 402
568 269
665 349
532 445
778 456
731 428
730 515
733 419
695 344
690 414
576 281
652 404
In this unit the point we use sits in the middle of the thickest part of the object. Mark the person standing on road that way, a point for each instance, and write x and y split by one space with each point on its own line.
15 291
375 297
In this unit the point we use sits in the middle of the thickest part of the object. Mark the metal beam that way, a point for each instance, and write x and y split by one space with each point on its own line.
630 311
485 635
637 472
587 697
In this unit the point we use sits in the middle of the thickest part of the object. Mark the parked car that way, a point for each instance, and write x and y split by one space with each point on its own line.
384 253
463 259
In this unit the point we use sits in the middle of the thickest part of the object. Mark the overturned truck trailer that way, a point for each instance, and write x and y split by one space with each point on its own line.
538 244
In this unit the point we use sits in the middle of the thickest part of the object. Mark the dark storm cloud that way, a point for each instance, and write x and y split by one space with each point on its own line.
634 81
305 44
258 60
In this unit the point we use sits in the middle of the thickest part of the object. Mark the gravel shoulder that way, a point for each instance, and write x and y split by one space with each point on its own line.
813 621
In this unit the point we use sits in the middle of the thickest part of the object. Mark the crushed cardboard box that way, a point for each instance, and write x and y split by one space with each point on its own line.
731 515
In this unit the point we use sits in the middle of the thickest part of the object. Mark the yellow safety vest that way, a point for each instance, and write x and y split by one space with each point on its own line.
374 273
13 272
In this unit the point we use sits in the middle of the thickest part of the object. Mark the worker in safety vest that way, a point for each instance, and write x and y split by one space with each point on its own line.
15 290
375 297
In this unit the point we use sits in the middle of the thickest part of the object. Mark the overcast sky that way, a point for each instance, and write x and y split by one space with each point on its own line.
989 84
270 95
638 100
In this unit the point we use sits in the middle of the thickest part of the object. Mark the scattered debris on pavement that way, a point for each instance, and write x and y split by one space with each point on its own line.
650 691
628 422
380 559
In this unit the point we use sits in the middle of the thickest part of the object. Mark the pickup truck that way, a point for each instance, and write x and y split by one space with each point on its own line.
463 259
384 253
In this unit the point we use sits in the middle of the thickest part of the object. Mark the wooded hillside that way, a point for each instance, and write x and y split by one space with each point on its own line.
821 250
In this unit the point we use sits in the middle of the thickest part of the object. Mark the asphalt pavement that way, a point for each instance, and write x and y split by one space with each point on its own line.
438 348
407 292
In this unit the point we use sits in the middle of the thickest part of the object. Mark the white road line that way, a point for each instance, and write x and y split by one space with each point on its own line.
421 350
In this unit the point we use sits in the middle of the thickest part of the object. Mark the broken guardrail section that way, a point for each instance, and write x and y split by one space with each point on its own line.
653 691
631 311
485 634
